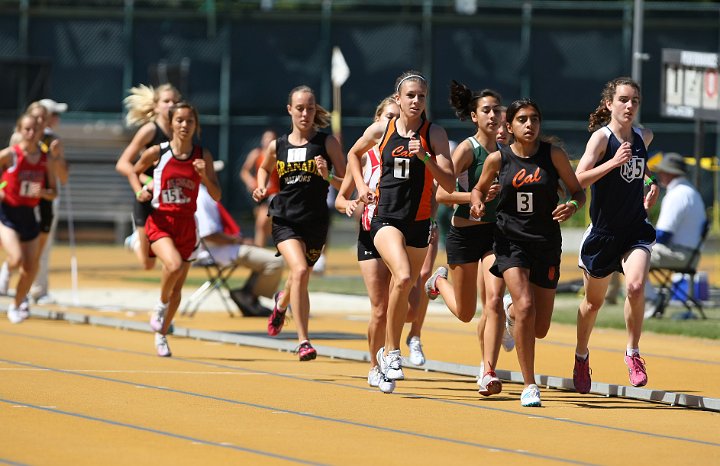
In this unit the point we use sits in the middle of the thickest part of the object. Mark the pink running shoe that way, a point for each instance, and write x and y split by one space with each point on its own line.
581 375
277 318
636 370
306 352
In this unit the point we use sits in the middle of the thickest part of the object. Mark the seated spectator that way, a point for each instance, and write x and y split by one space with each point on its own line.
679 226
227 246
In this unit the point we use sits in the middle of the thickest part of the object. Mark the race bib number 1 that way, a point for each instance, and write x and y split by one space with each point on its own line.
30 188
525 203
401 169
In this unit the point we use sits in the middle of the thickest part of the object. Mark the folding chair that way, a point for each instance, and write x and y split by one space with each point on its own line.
663 275
217 280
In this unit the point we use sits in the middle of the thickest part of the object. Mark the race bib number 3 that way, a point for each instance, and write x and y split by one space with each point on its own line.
174 196
525 203
401 168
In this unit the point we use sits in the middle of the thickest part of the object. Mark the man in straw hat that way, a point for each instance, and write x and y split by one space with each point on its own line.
680 224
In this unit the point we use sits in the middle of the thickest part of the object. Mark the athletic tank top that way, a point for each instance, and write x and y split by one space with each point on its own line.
158 137
273 182
175 182
468 179
25 180
303 192
371 175
617 198
528 196
405 188
46 140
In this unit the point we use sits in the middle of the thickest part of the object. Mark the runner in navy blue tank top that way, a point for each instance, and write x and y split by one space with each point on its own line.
415 153
527 237
620 236
304 159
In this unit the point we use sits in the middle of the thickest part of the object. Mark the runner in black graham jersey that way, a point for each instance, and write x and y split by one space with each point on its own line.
414 153
304 159
527 240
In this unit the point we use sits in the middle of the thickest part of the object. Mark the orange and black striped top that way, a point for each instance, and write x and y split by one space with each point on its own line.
405 189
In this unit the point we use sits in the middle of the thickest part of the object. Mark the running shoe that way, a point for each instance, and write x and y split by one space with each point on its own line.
508 341
489 384
386 385
277 318
161 344
530 396
306 352
431 283
374 377
46 298
158 316
390 365
14 315
636 370
417 357
131 241
581 375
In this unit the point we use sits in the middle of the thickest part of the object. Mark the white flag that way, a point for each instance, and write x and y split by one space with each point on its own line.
340 71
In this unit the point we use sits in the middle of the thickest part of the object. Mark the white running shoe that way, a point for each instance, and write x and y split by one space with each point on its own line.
14 315
530 396
374 377
489 384
431 283
417 357
386 385
390 365
47 298
163 350
158 316
4 279
508 341
131 241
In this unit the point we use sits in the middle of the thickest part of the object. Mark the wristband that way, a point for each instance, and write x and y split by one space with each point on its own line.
138 193
651 180
427 157
148 181
330 177
575 203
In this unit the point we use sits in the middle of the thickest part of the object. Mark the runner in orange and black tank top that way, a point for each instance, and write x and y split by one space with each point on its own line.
405 189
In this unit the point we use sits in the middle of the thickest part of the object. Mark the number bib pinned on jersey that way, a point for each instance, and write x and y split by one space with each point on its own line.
174 196
525 203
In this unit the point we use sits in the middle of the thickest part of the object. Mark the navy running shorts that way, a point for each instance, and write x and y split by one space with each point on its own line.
602 252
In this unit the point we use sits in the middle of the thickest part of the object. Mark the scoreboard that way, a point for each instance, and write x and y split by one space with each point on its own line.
689 85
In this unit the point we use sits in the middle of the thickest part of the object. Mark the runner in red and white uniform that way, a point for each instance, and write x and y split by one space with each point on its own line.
375 273
26 177
171 228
